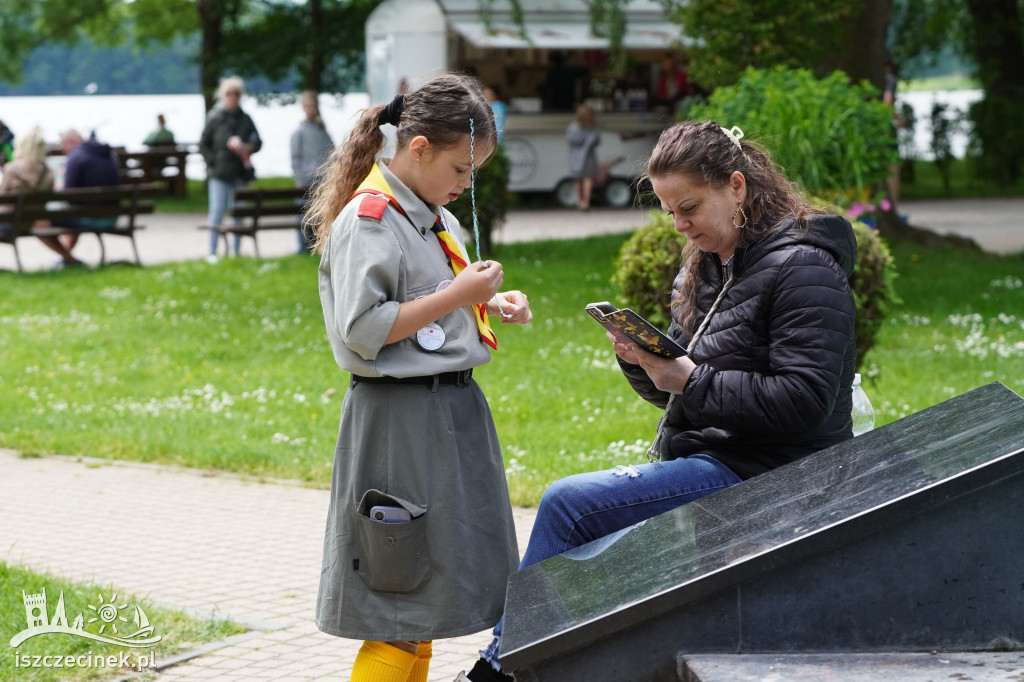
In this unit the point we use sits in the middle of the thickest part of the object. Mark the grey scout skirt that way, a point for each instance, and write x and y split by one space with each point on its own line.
443 573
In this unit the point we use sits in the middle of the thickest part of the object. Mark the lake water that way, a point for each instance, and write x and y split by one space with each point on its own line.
922 102
125 120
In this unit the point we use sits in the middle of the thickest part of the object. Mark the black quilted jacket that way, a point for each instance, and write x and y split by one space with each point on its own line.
775 365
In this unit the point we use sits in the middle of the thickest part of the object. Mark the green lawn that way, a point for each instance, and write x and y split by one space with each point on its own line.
178 632
195 199
950 82
228 368
928 183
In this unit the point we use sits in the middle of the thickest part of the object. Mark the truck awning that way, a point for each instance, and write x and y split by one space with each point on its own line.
565 35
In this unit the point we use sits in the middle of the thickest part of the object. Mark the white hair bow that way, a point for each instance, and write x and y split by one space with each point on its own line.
735 134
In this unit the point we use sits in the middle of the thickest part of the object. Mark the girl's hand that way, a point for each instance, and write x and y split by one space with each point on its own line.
514 308
477 283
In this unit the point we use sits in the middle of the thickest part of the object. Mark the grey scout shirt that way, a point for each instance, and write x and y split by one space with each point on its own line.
369 267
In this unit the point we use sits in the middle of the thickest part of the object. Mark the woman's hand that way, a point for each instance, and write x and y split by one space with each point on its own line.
512 306
668 374
623 348
477 283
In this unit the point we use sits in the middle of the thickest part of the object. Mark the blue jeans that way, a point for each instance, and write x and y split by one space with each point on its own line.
582 508
220 193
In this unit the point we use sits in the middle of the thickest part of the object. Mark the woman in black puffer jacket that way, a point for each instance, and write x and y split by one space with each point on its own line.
764 309
769 379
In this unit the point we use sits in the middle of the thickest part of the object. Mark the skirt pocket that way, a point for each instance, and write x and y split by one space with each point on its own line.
394 555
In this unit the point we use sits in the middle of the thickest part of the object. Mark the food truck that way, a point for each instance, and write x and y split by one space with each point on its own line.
542 66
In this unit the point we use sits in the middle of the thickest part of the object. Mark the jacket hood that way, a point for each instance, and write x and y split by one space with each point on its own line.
830 233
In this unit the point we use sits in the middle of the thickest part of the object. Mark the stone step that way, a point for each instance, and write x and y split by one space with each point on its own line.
901 667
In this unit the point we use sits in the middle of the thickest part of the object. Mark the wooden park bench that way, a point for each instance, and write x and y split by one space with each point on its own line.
122 204
164 165
261 209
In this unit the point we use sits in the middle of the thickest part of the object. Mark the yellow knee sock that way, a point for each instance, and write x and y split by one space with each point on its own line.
380 662
419 670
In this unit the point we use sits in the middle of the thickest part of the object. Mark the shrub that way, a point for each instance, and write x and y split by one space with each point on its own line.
873 285
648 262
997 136
650 259
828 134
491 200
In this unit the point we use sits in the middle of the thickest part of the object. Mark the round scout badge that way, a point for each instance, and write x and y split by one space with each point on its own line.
430 337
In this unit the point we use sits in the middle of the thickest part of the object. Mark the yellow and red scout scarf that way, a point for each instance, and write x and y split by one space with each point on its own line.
376 186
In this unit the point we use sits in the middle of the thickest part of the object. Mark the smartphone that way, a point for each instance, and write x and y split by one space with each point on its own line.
390 514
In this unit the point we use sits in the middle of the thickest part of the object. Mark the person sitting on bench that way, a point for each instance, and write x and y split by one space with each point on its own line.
90 163
28 172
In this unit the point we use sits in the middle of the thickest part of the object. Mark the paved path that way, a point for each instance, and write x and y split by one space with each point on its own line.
995 224
218 545
175 237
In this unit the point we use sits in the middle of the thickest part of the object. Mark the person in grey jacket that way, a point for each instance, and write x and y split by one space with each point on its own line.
228 139
583 135
310 146
763 307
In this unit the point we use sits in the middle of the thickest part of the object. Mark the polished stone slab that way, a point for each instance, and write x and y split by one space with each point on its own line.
924 667
907 538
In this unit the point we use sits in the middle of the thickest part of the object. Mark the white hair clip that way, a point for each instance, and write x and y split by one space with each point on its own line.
735 134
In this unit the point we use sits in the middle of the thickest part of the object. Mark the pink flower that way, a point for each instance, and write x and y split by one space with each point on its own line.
855 210
884 203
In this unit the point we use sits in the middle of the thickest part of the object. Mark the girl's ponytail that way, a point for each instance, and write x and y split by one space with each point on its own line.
339 178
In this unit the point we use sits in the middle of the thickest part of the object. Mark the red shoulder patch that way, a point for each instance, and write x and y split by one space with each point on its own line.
372 206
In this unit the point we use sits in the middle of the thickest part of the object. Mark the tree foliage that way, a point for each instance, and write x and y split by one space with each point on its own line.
989 33
56 69
920 29
730 35
24 26
318 42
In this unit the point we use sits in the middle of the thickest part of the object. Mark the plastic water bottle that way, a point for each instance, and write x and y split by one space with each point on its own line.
863 413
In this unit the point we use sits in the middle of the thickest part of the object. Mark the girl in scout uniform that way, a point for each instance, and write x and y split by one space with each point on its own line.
420 539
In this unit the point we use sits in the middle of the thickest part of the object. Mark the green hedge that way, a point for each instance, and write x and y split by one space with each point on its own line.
650 259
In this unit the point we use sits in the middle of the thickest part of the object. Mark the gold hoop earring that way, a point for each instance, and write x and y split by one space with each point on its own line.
739 212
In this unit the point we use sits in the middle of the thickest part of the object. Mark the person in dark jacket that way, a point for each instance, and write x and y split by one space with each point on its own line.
227 141
765 311
90 163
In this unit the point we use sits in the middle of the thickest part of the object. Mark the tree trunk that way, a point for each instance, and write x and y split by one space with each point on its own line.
999 51
211 16
861 52
314 80
998 44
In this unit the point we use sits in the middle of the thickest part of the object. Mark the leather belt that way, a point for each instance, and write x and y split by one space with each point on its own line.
460 378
